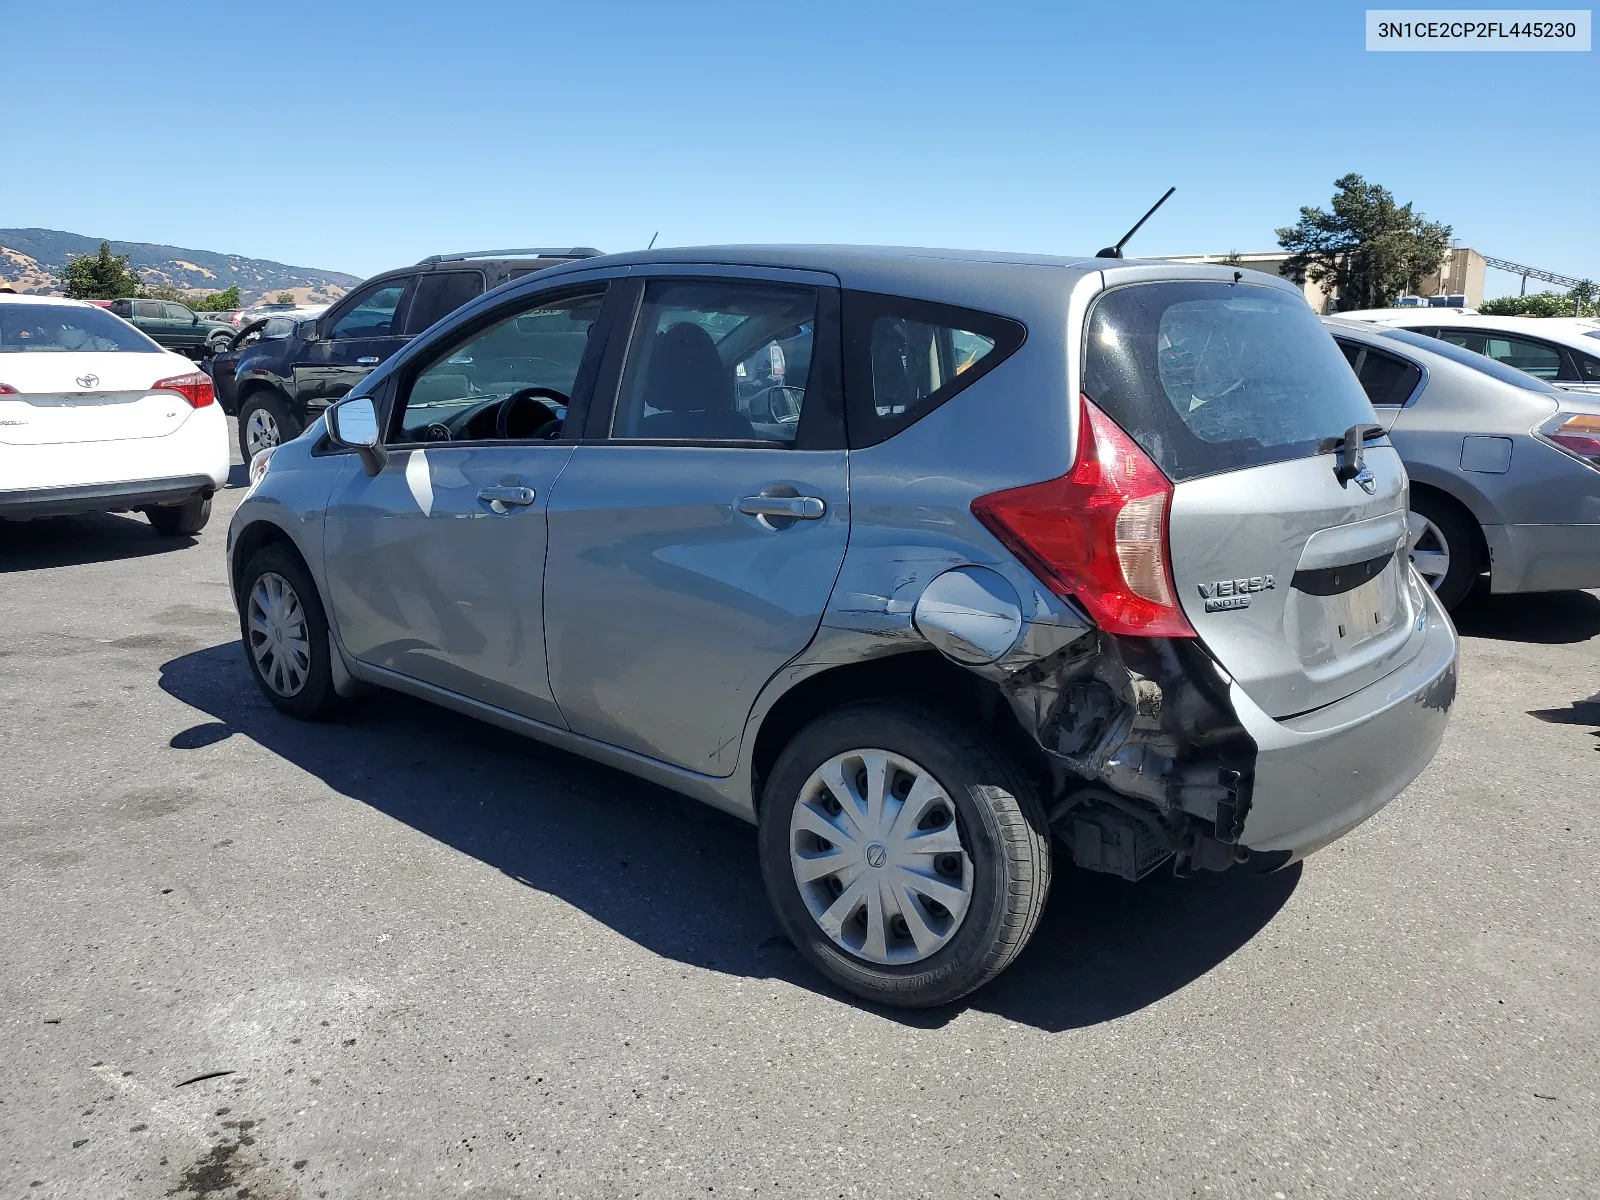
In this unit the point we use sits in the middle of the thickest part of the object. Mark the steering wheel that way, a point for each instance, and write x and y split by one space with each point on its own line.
545 423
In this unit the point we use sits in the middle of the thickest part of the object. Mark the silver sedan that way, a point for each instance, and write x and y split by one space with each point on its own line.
1505 469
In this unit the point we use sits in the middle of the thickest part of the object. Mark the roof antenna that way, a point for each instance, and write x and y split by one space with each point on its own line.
653 238
1116 251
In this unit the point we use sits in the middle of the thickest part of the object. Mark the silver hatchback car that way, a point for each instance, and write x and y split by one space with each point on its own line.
934 565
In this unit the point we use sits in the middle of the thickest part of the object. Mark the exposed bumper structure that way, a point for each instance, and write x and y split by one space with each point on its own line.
1320 775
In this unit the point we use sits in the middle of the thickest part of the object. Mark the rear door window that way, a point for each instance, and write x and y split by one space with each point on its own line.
1387 380
1211 377
439 295
714 360
1535 358
904 358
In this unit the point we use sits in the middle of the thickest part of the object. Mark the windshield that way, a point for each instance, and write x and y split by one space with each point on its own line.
1470 358
66 329
1211 376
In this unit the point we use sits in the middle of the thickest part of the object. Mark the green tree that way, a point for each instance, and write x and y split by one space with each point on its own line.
1579 302
102 276
284 298
1232 259
217 301
162 291
1369 249
1584 299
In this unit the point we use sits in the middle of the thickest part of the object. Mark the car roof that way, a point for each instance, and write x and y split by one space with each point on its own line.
1581 333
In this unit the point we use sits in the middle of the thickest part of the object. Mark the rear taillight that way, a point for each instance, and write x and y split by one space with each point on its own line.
1098 533
1577 435
7 390
195 387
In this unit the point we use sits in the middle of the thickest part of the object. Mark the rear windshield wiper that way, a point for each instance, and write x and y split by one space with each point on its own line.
1369 433
1351 448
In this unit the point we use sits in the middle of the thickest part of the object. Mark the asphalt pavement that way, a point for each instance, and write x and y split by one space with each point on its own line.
410 955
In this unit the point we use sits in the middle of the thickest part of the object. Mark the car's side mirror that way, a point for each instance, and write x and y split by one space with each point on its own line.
306 331
353 424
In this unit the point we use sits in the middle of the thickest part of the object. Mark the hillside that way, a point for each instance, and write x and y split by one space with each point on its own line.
31 258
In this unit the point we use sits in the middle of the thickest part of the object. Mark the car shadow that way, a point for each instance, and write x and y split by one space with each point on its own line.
73 541
1552 618
1579 712
681 879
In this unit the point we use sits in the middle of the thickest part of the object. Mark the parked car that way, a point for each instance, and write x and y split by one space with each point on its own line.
96 417
239 318
175 326
278 386
1504 468
1563 351
1085 557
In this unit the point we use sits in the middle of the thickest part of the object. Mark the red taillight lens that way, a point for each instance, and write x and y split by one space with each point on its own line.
1098 533
7 390
1578 435
195 387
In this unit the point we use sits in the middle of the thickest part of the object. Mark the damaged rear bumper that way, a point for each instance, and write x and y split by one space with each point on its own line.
1320 775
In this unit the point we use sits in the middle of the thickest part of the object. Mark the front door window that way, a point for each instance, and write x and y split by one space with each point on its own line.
372 316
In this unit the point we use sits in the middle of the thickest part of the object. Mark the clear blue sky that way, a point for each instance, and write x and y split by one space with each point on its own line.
357 136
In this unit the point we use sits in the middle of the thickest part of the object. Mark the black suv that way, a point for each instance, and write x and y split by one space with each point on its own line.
277 386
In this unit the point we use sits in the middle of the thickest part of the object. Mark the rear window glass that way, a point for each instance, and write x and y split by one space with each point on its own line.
1478 362
1210 377
66 329
906 357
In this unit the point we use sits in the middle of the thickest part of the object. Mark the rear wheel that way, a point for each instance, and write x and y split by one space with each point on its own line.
285 633
906 855
265 421
180 520
1444 548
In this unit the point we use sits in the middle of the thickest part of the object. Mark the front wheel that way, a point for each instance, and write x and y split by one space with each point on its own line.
907 856
285 633
265 421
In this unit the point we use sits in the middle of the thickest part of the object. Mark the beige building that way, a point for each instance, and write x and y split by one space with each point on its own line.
1461 275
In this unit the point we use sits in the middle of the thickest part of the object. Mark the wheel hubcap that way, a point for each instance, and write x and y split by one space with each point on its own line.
1430 551
279 640
261 431
879 858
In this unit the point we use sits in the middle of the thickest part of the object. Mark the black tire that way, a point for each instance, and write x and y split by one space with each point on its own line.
1462 540
180 520
276 413
1001 822
316 700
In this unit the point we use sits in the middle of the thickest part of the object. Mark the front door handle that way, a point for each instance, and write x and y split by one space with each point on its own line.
504 499
799 508
369 360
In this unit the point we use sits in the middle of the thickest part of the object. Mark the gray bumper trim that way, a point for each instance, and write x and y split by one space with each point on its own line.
103 497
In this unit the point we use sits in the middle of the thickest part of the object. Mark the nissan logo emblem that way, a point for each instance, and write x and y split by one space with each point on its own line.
88 381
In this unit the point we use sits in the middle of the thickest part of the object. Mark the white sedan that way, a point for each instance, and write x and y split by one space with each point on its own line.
95 417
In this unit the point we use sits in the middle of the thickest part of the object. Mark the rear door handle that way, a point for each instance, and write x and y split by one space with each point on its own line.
503 499
799 508
370 360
